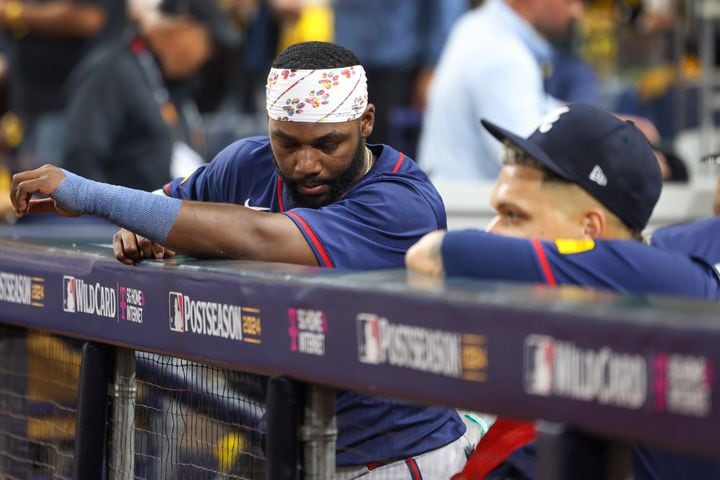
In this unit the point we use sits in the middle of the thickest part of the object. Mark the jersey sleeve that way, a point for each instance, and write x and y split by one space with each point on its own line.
483 255
217 181
697 239
369 229
623 266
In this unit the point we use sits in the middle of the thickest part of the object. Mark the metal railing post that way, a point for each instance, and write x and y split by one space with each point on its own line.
122 392
319 433
91 428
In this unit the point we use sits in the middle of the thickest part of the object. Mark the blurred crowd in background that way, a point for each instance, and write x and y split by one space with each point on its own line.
135 92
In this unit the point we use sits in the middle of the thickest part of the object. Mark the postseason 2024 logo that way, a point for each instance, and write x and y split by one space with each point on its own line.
22 289
214 319
418 348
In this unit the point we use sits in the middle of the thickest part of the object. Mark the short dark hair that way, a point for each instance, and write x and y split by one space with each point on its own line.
315 55
512 155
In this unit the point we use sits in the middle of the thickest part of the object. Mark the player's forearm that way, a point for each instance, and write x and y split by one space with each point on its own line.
149 215
214 230
218 230
197 228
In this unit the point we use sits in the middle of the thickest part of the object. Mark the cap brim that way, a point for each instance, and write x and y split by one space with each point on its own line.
530 148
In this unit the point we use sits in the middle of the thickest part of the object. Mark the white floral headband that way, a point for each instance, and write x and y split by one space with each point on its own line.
317 96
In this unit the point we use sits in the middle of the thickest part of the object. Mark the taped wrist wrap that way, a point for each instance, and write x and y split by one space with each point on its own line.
149 215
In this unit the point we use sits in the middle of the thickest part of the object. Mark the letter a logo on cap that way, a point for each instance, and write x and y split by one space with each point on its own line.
598 176
549 120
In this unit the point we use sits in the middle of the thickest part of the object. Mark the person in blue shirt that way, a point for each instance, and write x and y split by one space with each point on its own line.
313 193
399 43
698 239
493 66
571 202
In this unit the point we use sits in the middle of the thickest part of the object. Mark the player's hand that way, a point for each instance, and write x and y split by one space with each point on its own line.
426 256
43 180
130 248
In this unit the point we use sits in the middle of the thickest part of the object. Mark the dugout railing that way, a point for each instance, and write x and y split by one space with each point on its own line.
626 368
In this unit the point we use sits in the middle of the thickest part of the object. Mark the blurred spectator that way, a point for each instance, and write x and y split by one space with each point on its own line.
48 39
491 68
571 79
206 16
247 85
303 21
123 126
672 167
399 43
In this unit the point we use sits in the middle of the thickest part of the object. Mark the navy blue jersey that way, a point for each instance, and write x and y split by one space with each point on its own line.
699 239
619 265
370 227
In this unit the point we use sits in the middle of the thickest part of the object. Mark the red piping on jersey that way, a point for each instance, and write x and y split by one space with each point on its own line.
504 437
413 467
279 193
399 163
321 250
544 264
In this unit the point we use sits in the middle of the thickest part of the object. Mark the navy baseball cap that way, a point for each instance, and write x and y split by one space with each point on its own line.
609 158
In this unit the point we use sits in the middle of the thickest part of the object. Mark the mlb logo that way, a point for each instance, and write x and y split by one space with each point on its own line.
369 342
177 313
69 294
539 361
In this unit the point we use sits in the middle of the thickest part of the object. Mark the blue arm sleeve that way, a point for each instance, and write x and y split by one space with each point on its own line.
482 255
150 215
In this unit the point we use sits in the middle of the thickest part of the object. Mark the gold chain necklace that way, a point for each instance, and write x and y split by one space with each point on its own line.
368 160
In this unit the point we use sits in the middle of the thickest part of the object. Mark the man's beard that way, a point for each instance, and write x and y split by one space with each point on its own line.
337 186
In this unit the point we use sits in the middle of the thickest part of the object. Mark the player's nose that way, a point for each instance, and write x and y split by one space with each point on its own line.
307 162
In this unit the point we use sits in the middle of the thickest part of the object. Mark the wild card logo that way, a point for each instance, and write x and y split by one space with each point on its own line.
563 369
89 298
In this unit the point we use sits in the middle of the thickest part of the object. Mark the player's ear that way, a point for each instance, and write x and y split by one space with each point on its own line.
367 121
594 223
